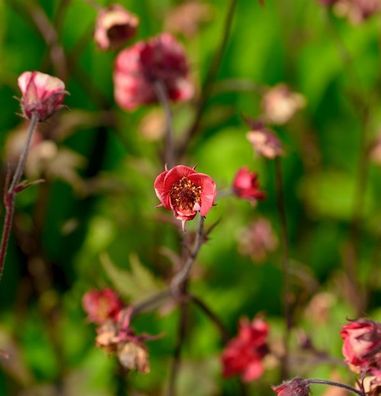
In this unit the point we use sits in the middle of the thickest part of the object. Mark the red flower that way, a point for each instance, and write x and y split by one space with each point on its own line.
137 69
243 355
101 305
246 186
362 345
114 26
41 94
185 192
295 387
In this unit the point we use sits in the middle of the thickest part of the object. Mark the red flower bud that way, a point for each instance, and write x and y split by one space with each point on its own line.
114 26
362 344
295 387
101 305
246 186
243 355
41 94
160 59
185 191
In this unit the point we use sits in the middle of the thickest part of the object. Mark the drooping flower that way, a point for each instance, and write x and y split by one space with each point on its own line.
264 142
279 104
140 68
185 191
294 387
244 354
101 305
42 94
258 240
246 185
114 26
362 345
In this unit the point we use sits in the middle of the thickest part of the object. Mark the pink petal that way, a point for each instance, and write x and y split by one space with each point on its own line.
208 193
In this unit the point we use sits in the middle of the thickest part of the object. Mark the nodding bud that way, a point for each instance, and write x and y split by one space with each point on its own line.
42 94
294 387
114 26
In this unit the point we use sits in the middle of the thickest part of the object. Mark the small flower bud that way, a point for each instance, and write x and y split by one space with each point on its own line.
114 26
294 387
134 356
264 142
246 185
42 94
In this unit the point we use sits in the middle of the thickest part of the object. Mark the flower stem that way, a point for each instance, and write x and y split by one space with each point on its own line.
336 384
285 263
209 80
11 191
182 276
169 154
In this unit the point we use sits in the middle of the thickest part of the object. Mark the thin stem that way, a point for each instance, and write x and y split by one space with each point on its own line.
212 316
169 154
151 302
10 193
181 333
209 80
182 276
285 263
336 384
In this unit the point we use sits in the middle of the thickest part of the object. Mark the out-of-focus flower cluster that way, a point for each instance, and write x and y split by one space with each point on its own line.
114 333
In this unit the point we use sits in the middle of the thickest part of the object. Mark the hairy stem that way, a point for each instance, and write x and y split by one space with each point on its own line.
336 384
11 191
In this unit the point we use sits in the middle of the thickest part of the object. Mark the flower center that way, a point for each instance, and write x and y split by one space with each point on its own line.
185 194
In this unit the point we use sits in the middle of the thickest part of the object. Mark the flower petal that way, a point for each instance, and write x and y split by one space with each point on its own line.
208 193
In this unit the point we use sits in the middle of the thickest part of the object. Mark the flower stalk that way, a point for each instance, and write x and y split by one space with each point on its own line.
11 191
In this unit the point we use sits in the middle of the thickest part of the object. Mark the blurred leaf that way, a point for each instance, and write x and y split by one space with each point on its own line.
135 284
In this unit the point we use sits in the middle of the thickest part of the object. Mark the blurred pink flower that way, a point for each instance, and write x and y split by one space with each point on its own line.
264 142
244 354
246 185
114 26
185 191
357 11
279 104
42 94
294 387
362 345
258 240
138 68
101 305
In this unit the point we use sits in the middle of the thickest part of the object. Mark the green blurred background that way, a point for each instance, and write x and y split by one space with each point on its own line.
99 197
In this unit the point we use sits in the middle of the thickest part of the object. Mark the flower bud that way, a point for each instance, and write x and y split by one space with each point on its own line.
264 142
295 387
246 185
362 345
114 26
134 356
42 94
101 305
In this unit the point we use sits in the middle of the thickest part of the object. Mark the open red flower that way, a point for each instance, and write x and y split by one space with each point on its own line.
362 345
246 186
244 354
42 94
294 387
185 191
101 305
158 60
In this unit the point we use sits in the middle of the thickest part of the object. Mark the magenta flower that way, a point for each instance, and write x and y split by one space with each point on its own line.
294 387
101 305
158 60
246 185
185 191
42 94
244 354
114 26
362 345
